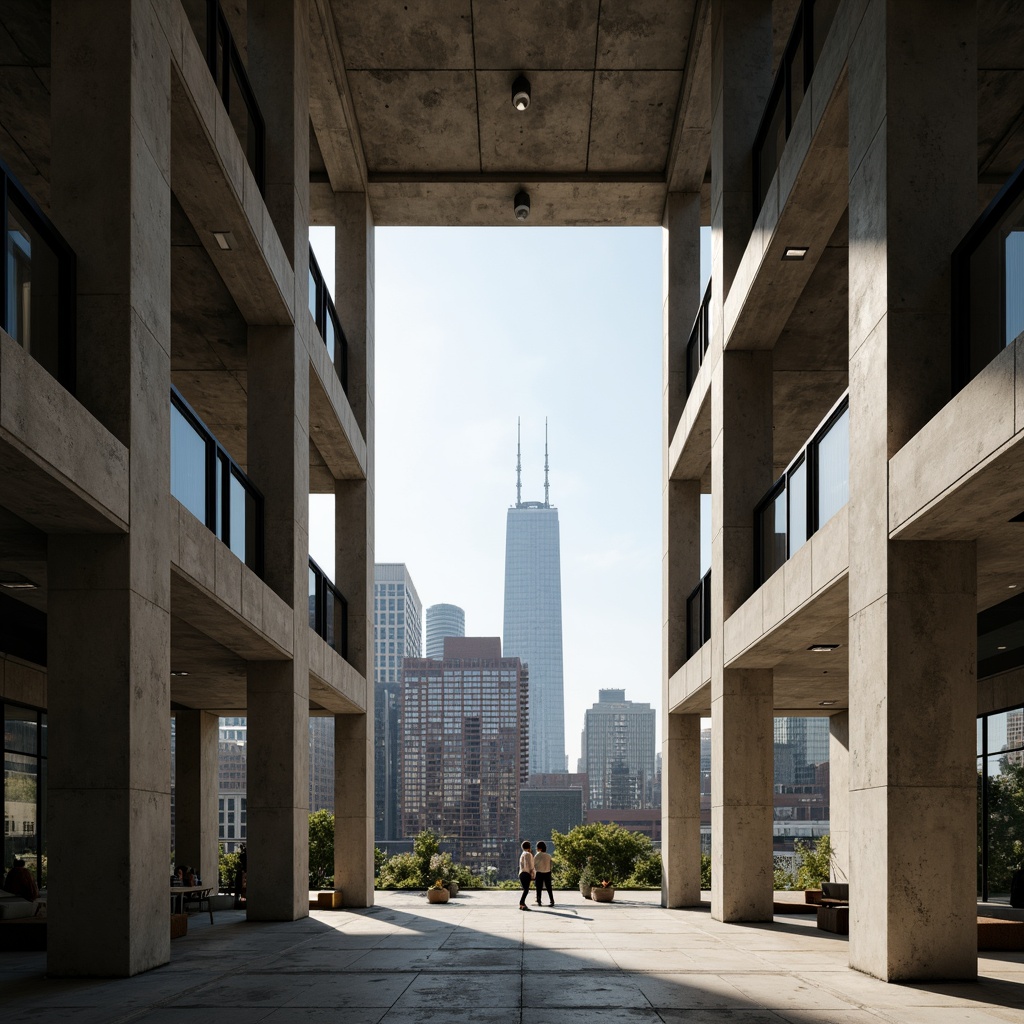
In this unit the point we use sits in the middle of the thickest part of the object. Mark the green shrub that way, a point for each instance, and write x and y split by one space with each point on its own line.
646 873
321 850
613 850
782 876
815 863
379 857
400 872
508 883
705 871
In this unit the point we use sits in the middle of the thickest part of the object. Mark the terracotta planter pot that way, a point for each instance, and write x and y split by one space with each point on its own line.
438 895
453 888
602 895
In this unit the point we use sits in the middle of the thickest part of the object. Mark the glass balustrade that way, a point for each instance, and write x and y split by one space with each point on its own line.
321 305
37 302
228 69
988 283
328 610
700 338
213 487
698 616
815 486
813 19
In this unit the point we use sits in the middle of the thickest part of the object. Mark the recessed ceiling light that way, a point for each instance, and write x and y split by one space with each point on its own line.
1002 647
827 703
795 252
521 204
1012 586
224 239
521 93
178 673
822 647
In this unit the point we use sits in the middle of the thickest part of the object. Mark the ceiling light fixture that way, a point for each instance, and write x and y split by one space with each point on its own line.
178 673
521 93
795 252
15 581
521 204
1012 586
224 239
826 703
822 647
1002 648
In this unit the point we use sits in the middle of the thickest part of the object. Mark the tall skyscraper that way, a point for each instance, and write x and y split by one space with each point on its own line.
443 620
464 734
618 752
397 634
533 616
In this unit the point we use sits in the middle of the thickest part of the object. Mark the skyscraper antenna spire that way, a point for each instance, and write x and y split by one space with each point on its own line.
547 504
519 463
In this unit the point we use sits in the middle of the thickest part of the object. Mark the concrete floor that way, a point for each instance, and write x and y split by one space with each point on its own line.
478 959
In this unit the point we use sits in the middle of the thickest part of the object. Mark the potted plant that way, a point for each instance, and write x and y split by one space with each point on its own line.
438 892
603 891
587 880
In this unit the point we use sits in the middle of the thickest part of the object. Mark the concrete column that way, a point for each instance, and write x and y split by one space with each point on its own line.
109 597
913 186
742 727
196 840
839 794
353 808
680 811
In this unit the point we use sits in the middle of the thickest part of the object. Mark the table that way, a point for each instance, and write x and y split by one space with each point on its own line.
182 894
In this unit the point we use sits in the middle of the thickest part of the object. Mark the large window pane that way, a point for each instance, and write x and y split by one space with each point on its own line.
312 292
21 803
797 508
312 599
32 289
21 733
1005 785
238 518
773 535
1013 249
834 469
188 465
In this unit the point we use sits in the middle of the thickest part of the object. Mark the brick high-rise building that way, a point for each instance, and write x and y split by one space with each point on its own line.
618 752
464 750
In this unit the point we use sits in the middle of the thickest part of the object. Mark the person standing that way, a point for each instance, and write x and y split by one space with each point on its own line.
542 865
526 872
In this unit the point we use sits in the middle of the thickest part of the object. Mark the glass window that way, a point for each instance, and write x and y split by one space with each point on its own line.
797 488
312 292
239 518
188 464
21 733
834 468
773 534
1013 249
21 810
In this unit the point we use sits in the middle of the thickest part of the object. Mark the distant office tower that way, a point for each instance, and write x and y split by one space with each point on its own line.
801 800
533 617
804 743
443 620
464 750
542 811
397 634
618 752
321 763
232 784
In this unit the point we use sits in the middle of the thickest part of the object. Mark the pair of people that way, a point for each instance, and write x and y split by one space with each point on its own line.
535 867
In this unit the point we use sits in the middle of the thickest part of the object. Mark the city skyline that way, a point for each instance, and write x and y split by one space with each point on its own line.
569 314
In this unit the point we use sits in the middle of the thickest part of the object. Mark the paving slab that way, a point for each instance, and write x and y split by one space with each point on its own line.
479 960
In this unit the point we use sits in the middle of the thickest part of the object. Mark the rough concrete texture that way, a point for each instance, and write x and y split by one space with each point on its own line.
476 958
680 819
195 793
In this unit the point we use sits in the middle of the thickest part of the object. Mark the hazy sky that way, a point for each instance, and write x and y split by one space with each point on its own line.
474 328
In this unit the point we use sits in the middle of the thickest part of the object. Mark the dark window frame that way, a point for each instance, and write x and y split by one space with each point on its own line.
219 462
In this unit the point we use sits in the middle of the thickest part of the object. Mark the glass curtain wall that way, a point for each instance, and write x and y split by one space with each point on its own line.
24 789
1000 802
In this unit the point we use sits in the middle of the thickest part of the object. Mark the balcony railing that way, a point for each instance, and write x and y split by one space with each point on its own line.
321 305
788 90
987 272
698 616
37 301
328 610
814 487
213 487
700 338
228 70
